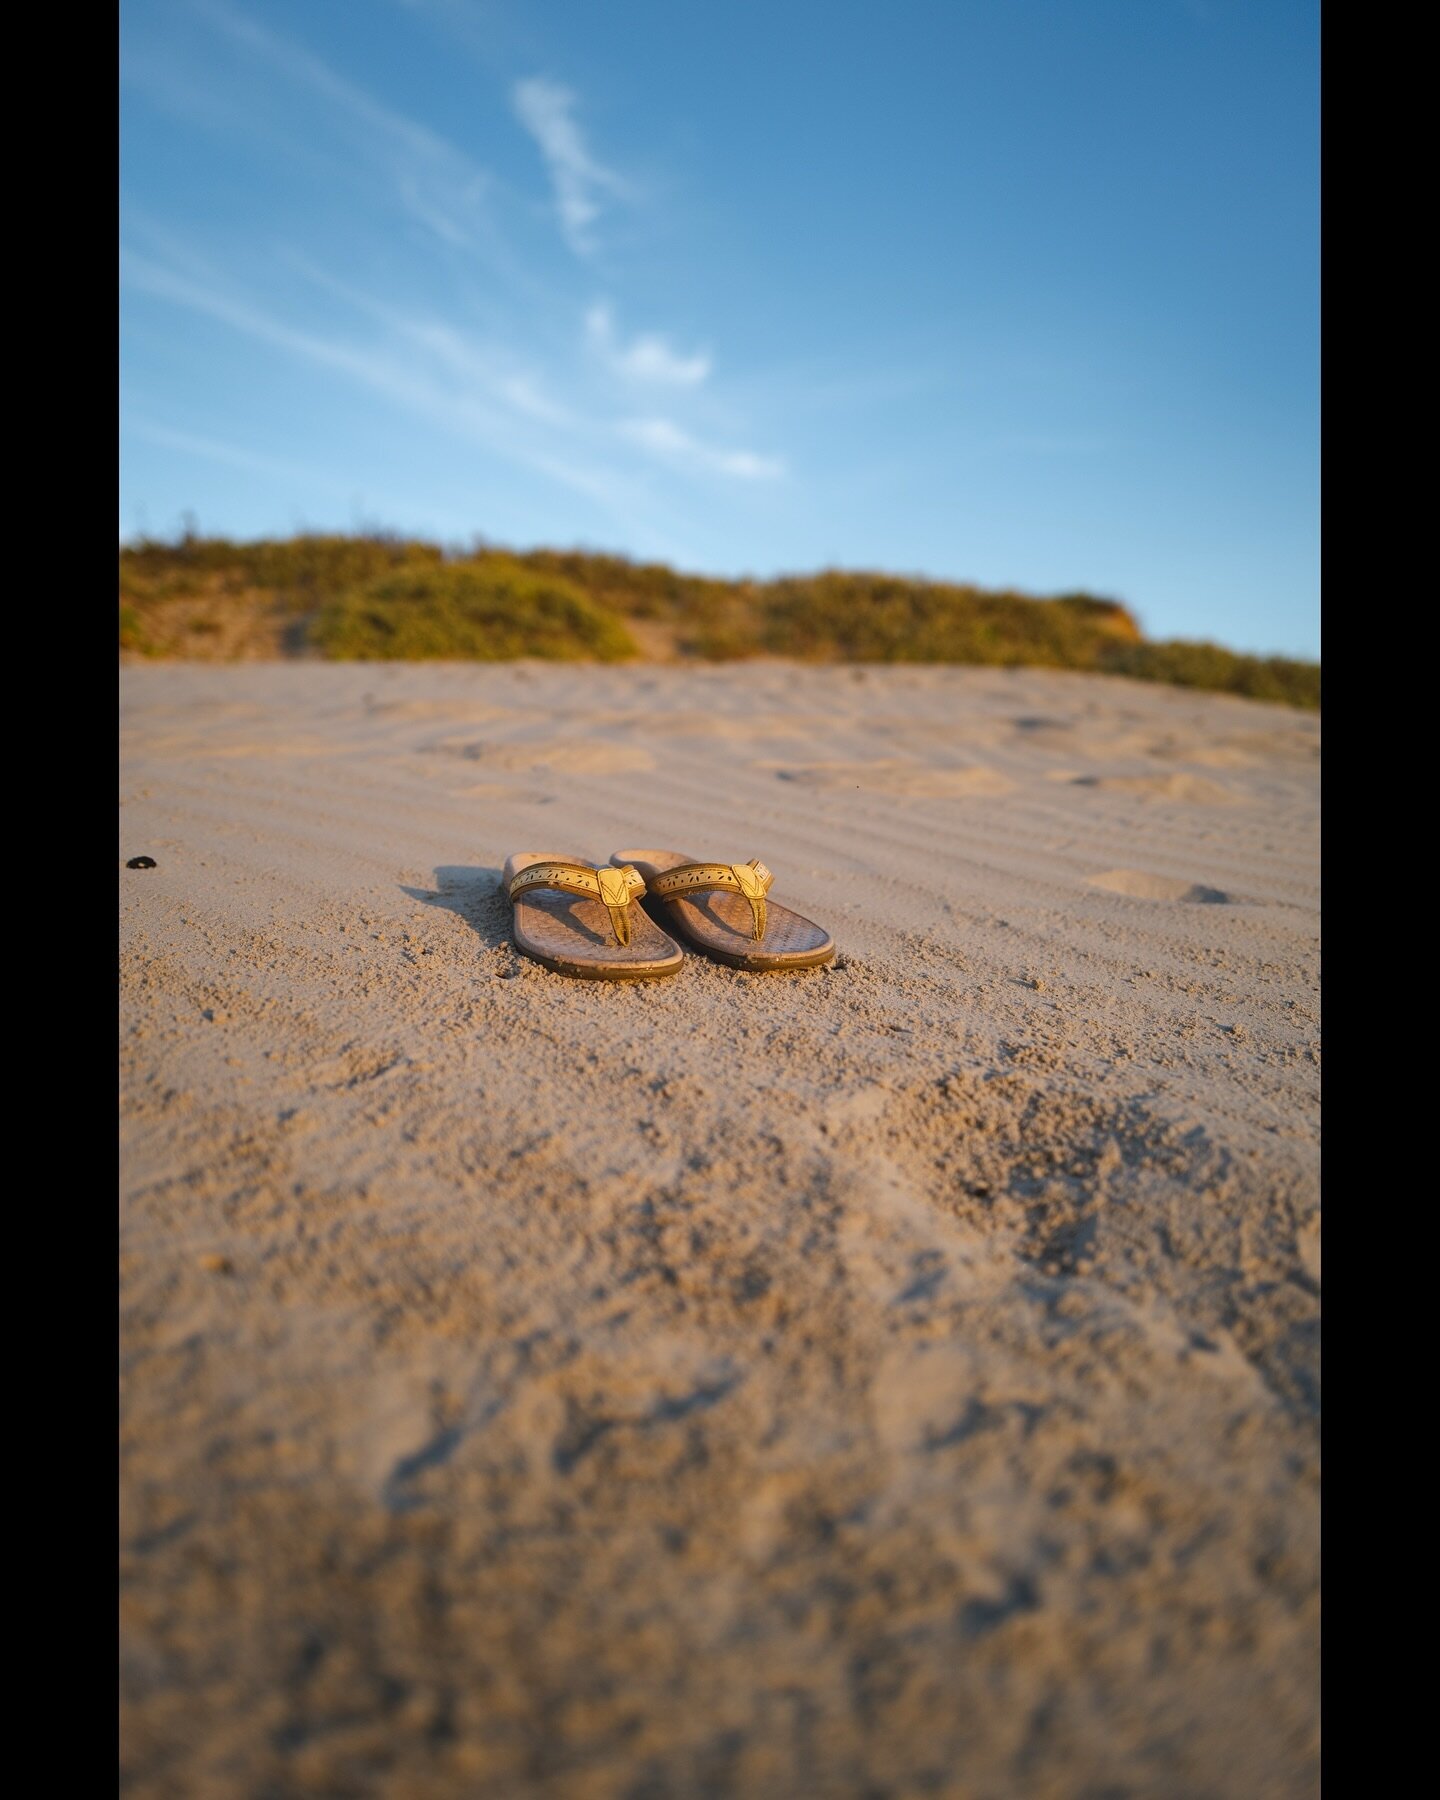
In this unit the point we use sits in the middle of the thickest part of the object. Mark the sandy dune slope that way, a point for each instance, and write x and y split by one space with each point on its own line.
897 1379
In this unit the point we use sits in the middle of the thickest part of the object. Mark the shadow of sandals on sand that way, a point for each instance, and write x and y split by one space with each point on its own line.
476 896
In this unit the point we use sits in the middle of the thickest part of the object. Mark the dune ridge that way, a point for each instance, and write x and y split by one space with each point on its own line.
382 597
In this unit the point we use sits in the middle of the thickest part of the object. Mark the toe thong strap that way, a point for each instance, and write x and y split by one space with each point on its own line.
751 879
614 888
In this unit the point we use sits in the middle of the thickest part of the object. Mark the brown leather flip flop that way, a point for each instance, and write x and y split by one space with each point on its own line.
580 921
724 909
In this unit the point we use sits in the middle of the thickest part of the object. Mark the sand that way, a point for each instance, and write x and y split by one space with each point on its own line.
897 1379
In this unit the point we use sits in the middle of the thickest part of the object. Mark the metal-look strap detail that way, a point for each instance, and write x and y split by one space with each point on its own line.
751 879
613 888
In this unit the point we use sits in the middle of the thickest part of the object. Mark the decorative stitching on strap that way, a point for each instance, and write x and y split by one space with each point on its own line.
751 879
613 888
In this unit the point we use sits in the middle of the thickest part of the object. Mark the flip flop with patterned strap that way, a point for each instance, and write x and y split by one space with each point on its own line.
725 910
579 920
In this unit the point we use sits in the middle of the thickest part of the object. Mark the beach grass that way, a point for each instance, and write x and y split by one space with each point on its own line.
490 610
383 597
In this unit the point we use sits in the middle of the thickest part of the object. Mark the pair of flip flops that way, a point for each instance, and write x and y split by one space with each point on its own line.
579 919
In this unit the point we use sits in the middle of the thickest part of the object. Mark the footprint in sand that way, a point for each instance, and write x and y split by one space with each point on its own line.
497 790
1193 789
738 731
910 780
1136 885
271 747
458 712
1206 756
562 759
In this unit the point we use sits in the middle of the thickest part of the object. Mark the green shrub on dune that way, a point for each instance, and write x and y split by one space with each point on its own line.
488 610
705 616
641 590
1211 666
299 568
881 618
132 630
378 596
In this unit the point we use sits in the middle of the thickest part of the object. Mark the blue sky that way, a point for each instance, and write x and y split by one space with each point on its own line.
1016 291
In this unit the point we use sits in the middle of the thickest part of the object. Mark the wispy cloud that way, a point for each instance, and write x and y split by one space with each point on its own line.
666 440
648 357
469 409
612 414
234 456
506 376
547 111
433 180
430 370
300 65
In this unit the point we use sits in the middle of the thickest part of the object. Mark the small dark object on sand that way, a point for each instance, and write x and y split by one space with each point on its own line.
141 862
